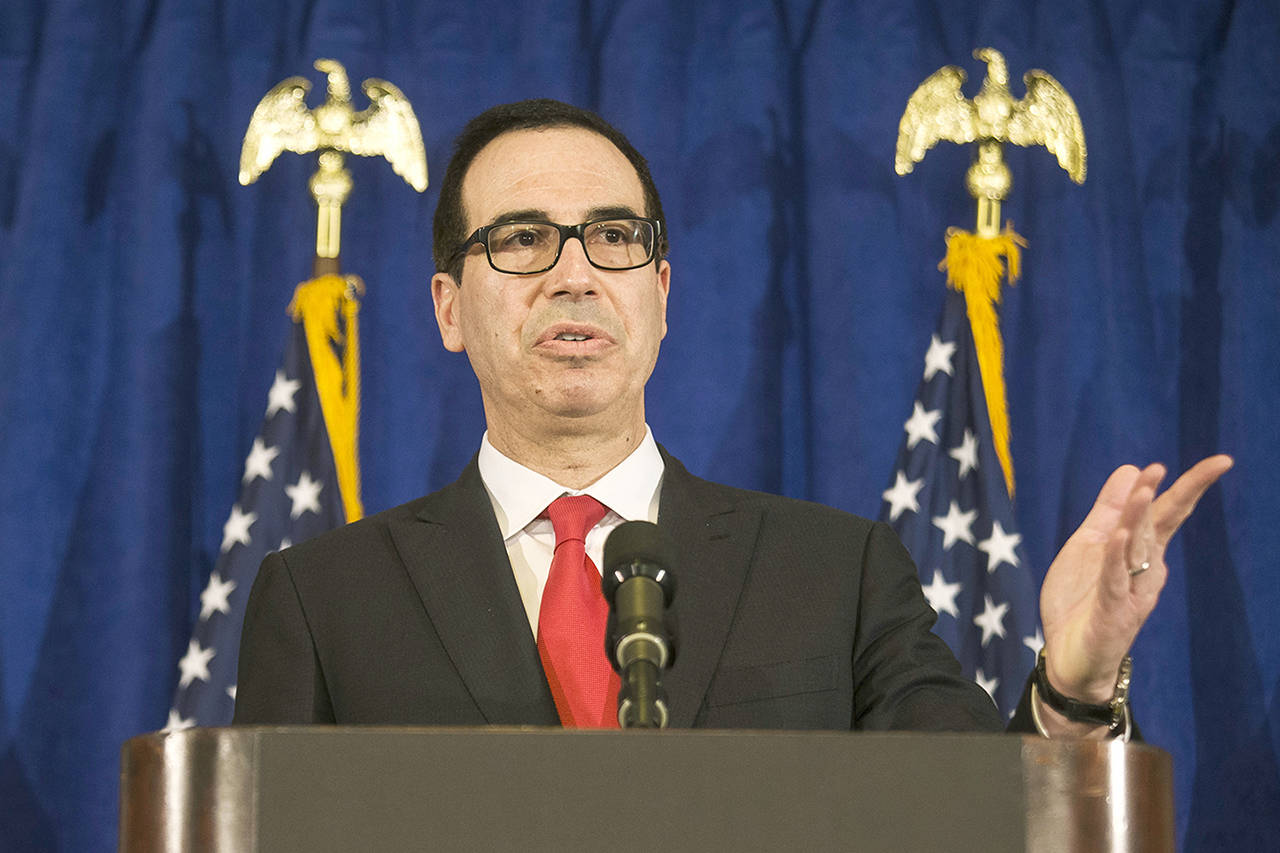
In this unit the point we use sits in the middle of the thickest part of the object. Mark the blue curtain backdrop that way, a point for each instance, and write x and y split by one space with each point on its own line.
143 294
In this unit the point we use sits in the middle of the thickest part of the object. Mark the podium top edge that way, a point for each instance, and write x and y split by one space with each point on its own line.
1033 744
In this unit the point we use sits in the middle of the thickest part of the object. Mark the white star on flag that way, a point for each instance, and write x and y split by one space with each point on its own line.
258 464
942 595
195 663
991 619
1035 643
902 496
938 358
231 691
281 394
999 547
955 526
920 426
987 684
236 530
305 495
966 453
176 722
214 598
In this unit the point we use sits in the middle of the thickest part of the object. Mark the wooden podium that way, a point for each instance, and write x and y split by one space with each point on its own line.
319 788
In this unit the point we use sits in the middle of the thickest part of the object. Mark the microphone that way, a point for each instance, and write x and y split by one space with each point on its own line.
639 586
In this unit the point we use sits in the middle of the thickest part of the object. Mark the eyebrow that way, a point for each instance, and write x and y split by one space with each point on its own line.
535 214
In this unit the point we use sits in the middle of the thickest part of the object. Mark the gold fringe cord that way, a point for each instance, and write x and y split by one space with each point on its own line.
327 307
975 266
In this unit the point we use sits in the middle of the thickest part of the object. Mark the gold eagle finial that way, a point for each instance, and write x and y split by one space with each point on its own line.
386 128
938 110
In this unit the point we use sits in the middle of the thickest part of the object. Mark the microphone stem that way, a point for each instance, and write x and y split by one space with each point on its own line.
642 681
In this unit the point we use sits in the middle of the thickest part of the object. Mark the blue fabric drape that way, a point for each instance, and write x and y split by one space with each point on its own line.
142 299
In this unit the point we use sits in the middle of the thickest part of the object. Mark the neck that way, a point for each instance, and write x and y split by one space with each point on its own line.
575 457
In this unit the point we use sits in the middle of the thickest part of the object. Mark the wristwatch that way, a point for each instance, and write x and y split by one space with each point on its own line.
1113 714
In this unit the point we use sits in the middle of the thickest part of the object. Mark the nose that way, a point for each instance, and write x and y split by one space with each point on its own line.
573 274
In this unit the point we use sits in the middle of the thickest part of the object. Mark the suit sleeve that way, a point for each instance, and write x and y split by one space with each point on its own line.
905 676
279 679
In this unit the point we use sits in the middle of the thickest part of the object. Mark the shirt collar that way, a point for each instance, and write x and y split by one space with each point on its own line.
520 494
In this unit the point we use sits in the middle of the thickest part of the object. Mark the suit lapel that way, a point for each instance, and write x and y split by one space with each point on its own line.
713 539
454 554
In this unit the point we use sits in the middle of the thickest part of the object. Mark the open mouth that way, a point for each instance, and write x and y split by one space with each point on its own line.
575 333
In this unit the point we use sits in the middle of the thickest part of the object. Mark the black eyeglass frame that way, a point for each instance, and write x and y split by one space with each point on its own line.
481 236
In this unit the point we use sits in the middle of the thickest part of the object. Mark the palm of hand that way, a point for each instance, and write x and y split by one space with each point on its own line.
1091 606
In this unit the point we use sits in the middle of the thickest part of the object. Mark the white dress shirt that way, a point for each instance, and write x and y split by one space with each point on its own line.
519 495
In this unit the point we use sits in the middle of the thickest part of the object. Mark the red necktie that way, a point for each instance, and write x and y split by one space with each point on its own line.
571 621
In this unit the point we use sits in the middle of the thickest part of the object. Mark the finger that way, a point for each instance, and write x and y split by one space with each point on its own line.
1138 514
1111 500
1115 573
1124 502
1125 583
1135 518
1177 502
1144 547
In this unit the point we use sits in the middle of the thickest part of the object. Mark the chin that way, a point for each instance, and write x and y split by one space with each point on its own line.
579 401
576 408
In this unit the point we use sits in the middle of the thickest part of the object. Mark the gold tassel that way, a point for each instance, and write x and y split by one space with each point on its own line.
974 267
318 304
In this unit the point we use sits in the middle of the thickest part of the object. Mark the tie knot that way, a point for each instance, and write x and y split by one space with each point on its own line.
573 515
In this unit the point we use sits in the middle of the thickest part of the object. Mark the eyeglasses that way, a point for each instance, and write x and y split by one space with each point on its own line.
525 248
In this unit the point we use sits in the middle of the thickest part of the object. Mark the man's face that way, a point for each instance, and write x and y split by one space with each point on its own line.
514 327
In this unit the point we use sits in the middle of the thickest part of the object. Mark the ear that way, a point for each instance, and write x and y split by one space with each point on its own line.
446 295
664 282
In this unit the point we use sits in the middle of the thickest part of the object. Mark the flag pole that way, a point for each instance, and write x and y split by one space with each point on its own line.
951 497
302 476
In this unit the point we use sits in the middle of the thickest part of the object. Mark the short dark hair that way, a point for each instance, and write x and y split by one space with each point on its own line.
450 223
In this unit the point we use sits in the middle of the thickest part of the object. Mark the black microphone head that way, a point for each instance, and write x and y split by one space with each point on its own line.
638 549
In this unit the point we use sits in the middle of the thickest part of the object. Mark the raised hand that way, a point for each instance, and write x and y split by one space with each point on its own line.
1106 580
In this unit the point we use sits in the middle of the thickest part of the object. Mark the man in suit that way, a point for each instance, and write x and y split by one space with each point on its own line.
455 608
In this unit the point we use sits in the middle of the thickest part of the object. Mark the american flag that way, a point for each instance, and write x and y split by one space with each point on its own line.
949 503
288 493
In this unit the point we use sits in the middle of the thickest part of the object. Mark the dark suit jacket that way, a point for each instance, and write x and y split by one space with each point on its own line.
792 615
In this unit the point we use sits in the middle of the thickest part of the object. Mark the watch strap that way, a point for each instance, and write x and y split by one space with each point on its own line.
1111 714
